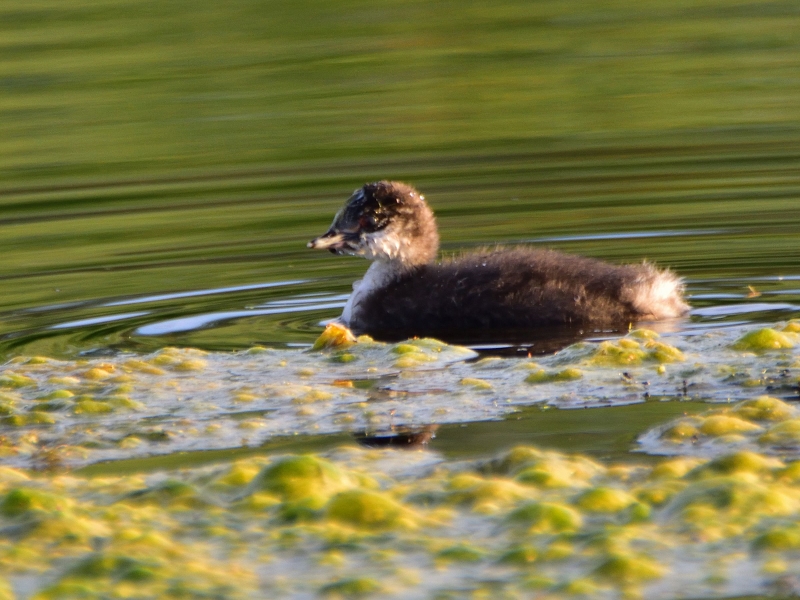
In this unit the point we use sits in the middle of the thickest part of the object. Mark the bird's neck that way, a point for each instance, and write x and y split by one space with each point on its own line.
379 274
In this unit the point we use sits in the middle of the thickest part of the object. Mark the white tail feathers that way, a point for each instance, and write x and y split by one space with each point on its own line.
658 294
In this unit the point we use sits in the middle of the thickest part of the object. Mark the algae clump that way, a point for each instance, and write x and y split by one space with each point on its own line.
627 351
786 433
628 568
605 500
474 382
738 462
547 517
351 588
334 336
305 476
519 556
719 425
762 340
460 553
542 376
369 510
24 501
779 538
764 408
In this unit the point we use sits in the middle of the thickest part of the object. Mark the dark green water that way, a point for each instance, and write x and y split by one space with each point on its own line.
163 160
99 264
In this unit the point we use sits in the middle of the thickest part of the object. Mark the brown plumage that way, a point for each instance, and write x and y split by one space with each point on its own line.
406 293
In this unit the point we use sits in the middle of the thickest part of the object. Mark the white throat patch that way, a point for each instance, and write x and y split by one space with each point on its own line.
378 275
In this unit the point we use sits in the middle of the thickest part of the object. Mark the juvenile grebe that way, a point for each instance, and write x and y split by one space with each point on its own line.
406 293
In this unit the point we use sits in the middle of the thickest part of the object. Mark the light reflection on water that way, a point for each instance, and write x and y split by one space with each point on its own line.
302 314
291 312
179 295
206 320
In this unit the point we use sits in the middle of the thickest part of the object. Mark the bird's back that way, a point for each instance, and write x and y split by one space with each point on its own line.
516 288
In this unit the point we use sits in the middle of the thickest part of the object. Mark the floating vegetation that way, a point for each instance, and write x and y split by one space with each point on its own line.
182 399
764 424
361 523
350 524
762 340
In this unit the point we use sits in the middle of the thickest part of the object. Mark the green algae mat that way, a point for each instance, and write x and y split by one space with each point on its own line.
717 515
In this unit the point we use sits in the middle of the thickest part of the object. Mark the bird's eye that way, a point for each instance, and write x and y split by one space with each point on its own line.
364 223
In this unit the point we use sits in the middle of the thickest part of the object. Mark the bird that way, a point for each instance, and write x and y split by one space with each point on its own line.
406 293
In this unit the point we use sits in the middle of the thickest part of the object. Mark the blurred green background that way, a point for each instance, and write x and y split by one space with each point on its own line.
112 88
160 146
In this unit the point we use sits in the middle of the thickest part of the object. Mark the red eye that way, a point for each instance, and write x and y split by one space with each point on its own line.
364 222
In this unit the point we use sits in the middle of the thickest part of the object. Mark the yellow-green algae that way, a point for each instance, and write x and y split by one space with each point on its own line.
762 340
193 386
308 524
761 423
557 523
604 500
628 351
542 376
351 588
371 510
334 336
765 408
180 399
478 384
786 433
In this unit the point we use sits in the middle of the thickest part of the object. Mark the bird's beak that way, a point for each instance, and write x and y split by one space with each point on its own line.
332 240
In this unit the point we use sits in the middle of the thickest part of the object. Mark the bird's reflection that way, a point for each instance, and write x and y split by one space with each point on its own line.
398 437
